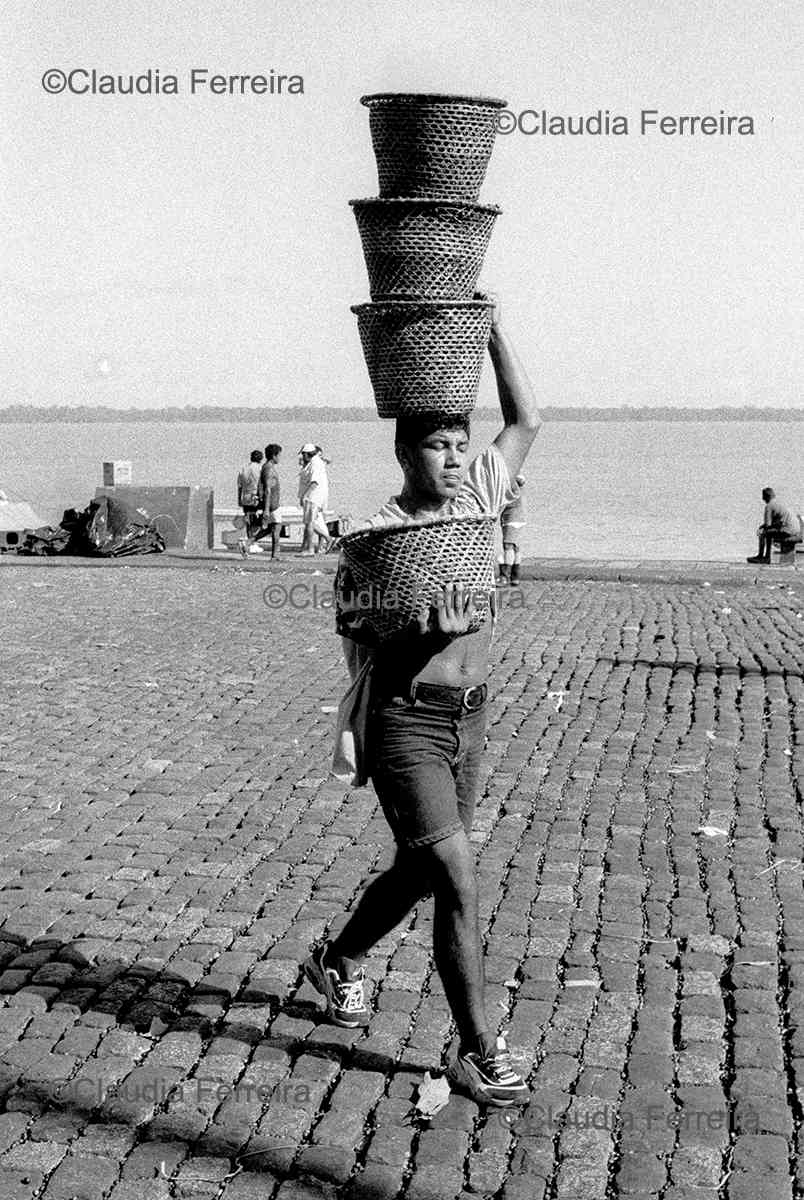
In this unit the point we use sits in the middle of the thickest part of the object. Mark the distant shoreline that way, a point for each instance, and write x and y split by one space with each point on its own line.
20 414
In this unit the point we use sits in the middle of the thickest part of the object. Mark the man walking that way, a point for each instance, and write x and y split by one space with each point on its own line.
269 498
426 731
248 486
314 498
779 525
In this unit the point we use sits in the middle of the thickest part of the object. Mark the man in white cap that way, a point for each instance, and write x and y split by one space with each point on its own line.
314 498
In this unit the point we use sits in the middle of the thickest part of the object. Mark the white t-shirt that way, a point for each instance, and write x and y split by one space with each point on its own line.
487 489
314 483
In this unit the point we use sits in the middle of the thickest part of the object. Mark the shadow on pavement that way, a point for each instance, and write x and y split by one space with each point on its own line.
190 1065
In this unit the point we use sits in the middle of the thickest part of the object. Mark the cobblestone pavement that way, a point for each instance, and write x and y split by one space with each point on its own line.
172 846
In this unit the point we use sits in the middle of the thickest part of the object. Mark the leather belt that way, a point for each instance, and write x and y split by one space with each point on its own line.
440 695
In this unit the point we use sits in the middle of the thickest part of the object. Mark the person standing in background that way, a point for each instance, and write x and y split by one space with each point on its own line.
512 520
269 498
314 498
248 488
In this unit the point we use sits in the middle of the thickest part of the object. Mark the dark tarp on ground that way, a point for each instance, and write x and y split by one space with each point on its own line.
107 528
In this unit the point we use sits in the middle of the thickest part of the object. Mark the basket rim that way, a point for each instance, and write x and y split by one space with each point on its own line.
429 305
379 531
429 97
426 202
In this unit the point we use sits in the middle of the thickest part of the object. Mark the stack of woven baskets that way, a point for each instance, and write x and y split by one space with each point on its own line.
424 334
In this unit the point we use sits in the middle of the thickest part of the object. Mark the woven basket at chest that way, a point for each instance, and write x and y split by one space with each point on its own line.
431 145
424 356
396 571
423 249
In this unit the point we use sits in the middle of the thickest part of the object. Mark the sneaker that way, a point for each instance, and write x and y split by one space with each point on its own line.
758 558
344 997
489 1080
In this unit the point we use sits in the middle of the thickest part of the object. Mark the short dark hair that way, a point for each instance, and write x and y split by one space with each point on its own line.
412 430
768 494
256 455
272 449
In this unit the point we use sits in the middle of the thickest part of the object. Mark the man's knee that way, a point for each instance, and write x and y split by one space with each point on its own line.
411 871
450 865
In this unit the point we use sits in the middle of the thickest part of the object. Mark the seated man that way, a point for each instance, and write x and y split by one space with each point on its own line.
426 720
779 525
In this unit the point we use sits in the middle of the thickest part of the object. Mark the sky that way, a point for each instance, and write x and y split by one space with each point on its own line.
199 249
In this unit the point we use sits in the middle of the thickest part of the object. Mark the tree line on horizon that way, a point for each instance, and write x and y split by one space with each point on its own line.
28 414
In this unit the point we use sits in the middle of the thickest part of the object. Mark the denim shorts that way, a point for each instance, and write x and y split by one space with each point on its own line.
425 762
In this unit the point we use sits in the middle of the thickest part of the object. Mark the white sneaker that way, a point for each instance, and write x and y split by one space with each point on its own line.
489 1080
345 1003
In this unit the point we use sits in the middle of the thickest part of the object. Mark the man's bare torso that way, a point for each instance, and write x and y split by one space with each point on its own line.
462 662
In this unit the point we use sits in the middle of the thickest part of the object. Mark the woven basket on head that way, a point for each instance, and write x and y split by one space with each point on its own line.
394 573
432 145
423 248
424 355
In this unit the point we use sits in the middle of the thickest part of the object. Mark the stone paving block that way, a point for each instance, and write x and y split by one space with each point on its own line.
435 1183
150 1189
19 1184
307 1188
82 1177
55 1126
375 1182
247 1186
697 1167
41 1156
756 1186
12 1128
152 1158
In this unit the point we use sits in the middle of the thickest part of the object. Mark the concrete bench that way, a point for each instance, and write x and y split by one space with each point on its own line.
790 558
290 529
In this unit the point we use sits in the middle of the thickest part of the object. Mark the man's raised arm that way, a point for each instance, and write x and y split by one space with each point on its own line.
517 401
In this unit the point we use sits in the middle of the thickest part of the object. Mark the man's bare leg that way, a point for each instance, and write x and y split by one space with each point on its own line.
765 543
457 945
448 867
307 539
386 901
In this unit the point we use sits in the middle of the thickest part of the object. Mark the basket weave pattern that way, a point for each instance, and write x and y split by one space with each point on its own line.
398 569
423 248
432 146
424 357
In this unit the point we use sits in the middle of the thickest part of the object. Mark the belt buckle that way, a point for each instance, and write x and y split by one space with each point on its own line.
473 698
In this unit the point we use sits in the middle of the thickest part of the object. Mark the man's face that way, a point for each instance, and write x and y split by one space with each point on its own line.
436 466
